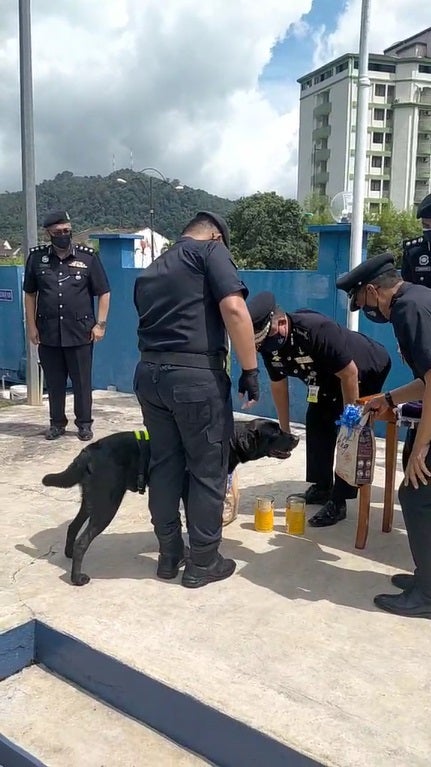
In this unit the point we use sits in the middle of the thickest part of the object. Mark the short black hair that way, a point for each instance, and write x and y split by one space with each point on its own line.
200 221
387 280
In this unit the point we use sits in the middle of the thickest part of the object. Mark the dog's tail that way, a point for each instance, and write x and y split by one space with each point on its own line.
70 476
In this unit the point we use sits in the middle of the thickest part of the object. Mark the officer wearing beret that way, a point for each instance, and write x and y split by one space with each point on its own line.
60 282
186 300
337 365
376 288
416 263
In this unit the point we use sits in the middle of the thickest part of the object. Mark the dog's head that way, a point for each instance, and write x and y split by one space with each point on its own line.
260 438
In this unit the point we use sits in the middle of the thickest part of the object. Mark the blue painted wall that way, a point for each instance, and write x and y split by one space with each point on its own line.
116 357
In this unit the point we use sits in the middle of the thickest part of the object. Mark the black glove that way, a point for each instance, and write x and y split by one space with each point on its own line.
249 384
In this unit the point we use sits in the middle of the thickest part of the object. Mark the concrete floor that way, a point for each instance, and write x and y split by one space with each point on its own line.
292 644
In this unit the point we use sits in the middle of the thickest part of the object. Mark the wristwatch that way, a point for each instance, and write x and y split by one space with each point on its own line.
101 325
389 400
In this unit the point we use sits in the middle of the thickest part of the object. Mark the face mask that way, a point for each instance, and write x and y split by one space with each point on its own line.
273 343
61 241
427 235
374 314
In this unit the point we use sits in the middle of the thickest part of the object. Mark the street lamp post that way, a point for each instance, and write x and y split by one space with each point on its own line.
163 178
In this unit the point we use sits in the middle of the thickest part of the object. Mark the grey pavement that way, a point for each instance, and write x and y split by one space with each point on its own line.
291 644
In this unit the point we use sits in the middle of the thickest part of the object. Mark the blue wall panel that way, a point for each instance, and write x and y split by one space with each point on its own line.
12 338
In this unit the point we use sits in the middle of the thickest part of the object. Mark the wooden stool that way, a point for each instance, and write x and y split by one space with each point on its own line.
391 448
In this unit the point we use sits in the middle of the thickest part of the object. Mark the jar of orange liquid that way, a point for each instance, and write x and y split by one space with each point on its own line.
295 515
264 514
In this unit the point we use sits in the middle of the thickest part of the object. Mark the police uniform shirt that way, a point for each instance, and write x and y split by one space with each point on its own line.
65 293
177 298
317 348
411 320
416 263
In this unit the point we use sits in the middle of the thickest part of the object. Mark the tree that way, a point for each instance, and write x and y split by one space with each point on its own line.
396 226
318 205
269 232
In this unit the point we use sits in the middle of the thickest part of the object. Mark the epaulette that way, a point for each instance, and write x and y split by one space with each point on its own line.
38 248
414 242
84 249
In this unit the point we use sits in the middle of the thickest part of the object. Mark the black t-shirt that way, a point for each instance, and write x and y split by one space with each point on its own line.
317 348
177 298
411 320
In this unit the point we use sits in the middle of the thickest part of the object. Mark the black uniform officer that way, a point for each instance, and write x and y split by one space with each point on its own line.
376 288
337 365
416 263
60 283
185 300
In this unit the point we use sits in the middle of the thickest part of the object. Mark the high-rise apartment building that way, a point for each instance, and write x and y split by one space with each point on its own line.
399 125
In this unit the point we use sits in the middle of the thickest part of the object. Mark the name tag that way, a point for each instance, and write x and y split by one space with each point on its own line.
304 360
313 394
78 264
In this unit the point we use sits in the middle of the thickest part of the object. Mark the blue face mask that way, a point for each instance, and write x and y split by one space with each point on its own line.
374 314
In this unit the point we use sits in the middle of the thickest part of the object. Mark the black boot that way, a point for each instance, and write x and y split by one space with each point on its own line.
403 581
169 563
410 604
54 432
316 495
331 513
195 576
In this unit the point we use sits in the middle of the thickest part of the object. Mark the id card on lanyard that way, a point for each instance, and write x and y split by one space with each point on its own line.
313 394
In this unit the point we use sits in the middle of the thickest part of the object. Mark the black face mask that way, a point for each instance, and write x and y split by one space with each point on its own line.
427 235
374 314
61 241
273 343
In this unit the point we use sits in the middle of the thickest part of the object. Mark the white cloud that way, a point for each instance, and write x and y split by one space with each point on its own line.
175 81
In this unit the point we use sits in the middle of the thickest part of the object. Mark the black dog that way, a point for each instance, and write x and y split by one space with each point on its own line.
107 468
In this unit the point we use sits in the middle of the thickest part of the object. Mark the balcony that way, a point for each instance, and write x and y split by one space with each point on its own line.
323 132
321 155
424 147
322 109
424 125
423 171
320 178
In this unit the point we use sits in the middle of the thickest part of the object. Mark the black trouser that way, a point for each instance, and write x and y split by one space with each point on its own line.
416 508
321 436
188 413
59 362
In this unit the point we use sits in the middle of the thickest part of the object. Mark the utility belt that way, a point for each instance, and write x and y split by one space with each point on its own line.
186 359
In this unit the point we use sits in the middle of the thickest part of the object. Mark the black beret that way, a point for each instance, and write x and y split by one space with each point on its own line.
262 307
364 274
56 217
424 208
220 223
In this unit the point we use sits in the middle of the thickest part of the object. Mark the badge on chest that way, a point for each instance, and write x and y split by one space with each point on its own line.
313 394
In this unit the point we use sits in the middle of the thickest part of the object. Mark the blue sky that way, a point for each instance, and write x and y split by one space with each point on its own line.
293 56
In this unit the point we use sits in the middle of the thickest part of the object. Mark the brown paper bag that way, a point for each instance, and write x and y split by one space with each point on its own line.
231 502
356 453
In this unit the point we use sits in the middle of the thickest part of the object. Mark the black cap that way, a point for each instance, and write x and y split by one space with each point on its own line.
220 223
424 208
364 274
262 307
56 217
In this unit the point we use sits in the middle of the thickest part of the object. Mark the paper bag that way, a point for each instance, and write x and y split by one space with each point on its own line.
231 501
356 453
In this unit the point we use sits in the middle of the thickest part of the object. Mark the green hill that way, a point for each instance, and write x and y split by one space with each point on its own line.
101 202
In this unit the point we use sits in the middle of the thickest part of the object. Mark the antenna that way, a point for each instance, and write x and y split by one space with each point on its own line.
131 159
113 163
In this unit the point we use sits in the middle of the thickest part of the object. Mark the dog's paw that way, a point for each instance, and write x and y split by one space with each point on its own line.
81 580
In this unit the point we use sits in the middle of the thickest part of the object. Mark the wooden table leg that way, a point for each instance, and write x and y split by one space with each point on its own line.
390 470
363 516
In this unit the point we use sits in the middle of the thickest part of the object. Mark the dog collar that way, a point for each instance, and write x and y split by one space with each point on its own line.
138 435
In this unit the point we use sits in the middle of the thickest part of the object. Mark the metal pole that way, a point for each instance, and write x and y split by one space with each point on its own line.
34 393
152 219
360 152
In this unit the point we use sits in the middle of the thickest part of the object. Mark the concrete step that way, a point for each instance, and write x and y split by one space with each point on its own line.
61 725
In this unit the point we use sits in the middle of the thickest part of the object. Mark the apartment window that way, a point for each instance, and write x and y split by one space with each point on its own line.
324 97
389 115
374 207
379 115
376 161
386 186
376 185
391 93
377 138
425 68
388 141
387 163
341 67
380 90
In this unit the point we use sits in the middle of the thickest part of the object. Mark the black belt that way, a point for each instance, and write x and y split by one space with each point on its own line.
186 360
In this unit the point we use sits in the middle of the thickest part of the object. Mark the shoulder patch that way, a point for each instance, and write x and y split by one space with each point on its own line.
84 249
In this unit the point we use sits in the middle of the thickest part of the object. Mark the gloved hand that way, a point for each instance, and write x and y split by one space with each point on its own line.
249 384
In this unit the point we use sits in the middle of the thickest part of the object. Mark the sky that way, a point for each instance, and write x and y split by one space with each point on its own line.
205 92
